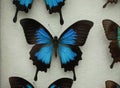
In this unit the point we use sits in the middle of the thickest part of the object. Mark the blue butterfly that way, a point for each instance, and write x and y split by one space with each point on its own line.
52 5
18 82
45 45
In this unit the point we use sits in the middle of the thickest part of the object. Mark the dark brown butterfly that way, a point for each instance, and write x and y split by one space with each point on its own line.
111 84
110 1
112 31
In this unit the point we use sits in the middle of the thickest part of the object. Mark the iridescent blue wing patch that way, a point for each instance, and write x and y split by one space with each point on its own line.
35 32
77 33
62 83
41 53
55 6
68 49
18 82
22 5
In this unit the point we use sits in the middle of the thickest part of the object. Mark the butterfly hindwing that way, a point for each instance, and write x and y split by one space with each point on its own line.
17 82
111 84
55 6
112 31
69 56
62 83
22 5
41 53
41 56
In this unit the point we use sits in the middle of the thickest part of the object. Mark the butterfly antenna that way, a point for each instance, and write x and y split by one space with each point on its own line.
105 4
15 17
61 18
74 75
35 78
51 29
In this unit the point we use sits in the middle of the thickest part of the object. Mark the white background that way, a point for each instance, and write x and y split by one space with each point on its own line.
92 71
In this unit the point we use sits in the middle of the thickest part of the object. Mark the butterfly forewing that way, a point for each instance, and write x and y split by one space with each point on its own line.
31 28
111 84
17 82
77 33
62 83
111 29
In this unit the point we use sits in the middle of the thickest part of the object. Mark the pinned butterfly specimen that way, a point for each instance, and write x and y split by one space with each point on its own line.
45 45
110 1
112 31
17 82
22 5
55 6
111 84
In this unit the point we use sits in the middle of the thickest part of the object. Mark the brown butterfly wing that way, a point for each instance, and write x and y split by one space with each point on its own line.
111 31
111 84
110 28
115 52
18 82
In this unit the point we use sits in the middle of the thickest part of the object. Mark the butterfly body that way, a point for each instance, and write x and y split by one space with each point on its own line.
66 46
112 31
55 42
110 1
18 82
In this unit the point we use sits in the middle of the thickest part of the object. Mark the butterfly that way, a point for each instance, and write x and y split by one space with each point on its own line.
110 1
111 84
45 45
112 31
18 82
52 6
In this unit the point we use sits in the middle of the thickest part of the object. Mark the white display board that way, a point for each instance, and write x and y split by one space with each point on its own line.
92 71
